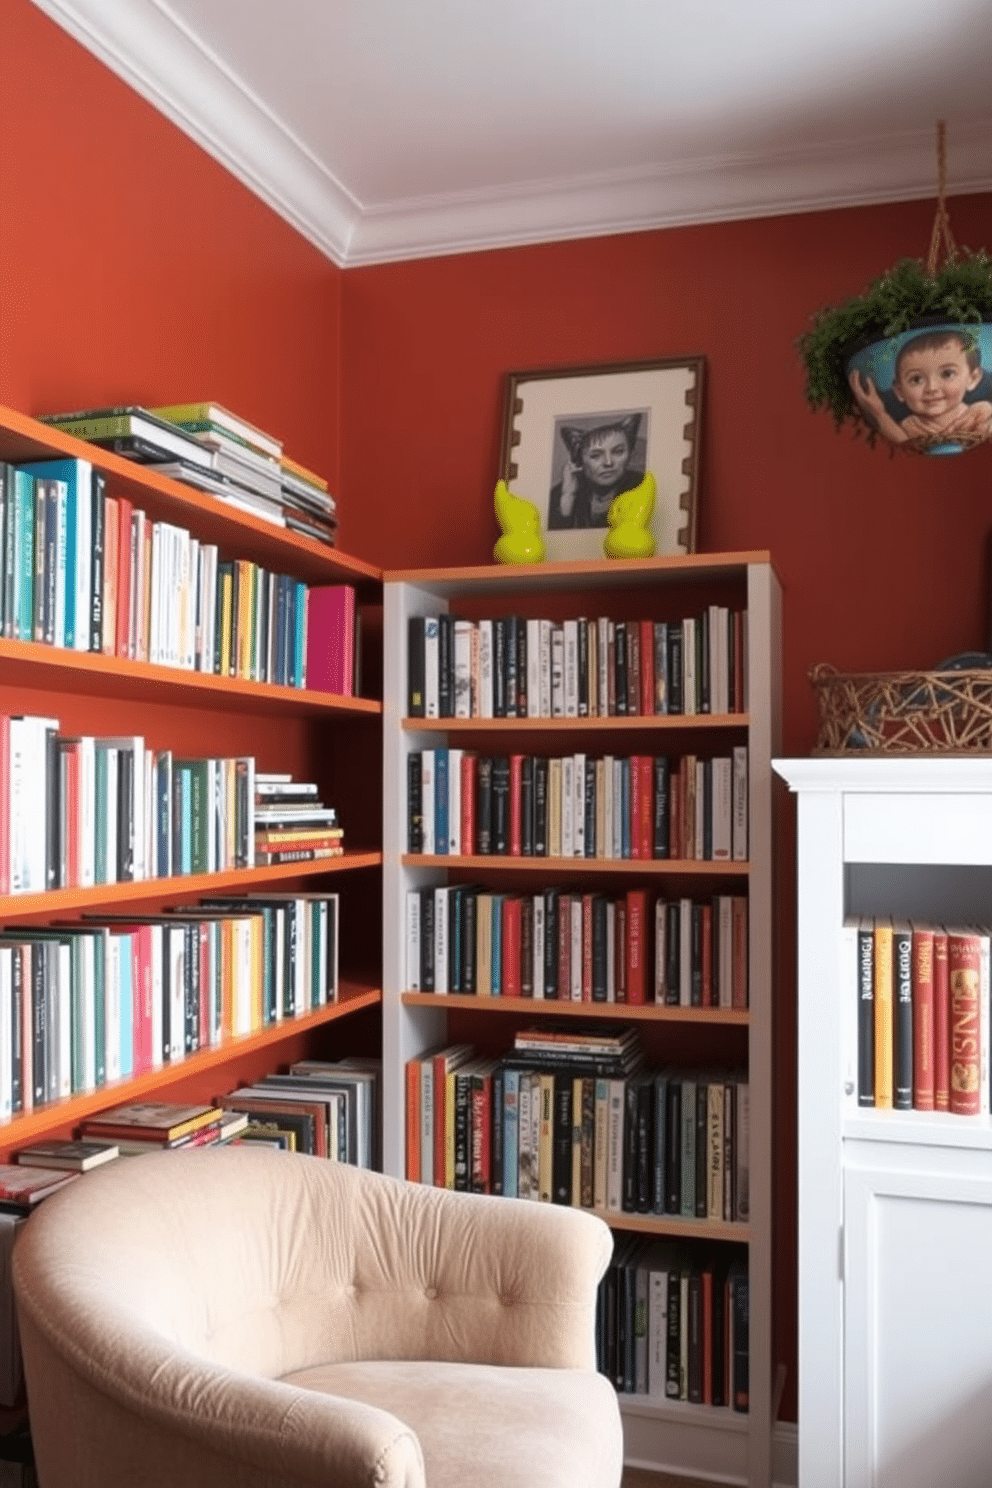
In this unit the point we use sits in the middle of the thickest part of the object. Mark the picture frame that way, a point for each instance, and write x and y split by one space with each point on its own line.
574 437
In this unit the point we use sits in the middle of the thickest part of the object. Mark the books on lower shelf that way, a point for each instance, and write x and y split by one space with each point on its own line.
89 571
580 946
460 803
672 1322
573 1126
81 810
513 666
85 1004
325 1108
918 1015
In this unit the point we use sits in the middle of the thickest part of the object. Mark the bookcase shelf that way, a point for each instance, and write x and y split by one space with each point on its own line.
555 868
333 740
52 668
616 1012
680 723
658 1432
56 902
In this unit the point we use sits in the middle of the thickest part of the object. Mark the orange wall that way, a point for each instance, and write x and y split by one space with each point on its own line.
882 557
134 269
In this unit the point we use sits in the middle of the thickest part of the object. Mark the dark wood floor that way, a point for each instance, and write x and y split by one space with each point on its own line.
635 1477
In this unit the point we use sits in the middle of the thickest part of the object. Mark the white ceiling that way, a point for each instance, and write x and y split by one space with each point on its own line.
388 129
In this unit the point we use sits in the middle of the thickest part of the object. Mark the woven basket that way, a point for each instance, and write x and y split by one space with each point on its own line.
903 712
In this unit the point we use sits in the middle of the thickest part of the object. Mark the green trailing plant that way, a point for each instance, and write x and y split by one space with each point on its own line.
959 290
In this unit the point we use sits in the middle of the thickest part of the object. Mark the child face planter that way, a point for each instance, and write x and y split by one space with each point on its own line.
928 389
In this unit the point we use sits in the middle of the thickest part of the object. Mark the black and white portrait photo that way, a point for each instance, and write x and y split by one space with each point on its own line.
596 458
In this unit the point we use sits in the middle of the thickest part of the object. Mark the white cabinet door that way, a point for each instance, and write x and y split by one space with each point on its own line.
917 1328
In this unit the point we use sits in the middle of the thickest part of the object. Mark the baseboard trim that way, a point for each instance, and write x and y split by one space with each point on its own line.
714 1456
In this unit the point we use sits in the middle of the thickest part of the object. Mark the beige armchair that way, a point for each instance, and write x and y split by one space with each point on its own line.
252 1318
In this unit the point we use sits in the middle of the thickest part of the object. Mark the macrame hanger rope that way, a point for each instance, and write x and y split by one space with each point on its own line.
941 234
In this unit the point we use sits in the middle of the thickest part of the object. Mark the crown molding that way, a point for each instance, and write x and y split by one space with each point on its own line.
150 49
147 46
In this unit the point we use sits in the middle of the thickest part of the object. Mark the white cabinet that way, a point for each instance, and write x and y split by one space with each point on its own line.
895 1223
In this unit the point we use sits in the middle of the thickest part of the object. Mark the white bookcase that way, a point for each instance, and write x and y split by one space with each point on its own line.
720 1442
895 1207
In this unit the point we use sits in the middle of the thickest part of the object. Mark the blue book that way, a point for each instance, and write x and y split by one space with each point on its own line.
496 938
282 586
300 635
127 1004
511 1130
78 549
441 800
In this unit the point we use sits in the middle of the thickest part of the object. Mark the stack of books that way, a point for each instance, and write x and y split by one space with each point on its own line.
292 824
158 1126
323 1108
207 446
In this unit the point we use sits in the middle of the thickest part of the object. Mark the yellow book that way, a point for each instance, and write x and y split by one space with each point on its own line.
883 1014
554 808
545 1150
246 616
257 1012
577 1140
450 1101
226 603
484 945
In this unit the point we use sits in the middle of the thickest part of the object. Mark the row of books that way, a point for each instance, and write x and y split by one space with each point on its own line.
205 445
78 810
673 1322
517 667
919 1013
86 1004
323 1108
578 946
556 1122
87 571
578 805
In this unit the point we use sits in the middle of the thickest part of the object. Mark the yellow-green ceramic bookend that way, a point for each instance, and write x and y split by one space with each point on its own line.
628 519
521 524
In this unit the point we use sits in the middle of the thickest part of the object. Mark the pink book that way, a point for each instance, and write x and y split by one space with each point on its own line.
331 638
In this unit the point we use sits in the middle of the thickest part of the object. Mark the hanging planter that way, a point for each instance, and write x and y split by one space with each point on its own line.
910 359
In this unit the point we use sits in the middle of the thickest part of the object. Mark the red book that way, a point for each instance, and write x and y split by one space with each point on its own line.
738 953
330 651
468 770
645 818
587 948
647 666
633 669
636 916
516 771
620 953
413 1120
941 1024
124 576
511 946
708 999
707 1311
922 968
636 789
111 559
481 1126
964 981
565 947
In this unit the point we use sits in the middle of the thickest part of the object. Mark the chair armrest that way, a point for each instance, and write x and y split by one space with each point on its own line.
477 1279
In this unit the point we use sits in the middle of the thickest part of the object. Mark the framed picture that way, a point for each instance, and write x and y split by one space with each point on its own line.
576 437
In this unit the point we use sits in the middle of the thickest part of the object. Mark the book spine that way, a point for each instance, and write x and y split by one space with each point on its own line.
922 1001
902 1010
866 1014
